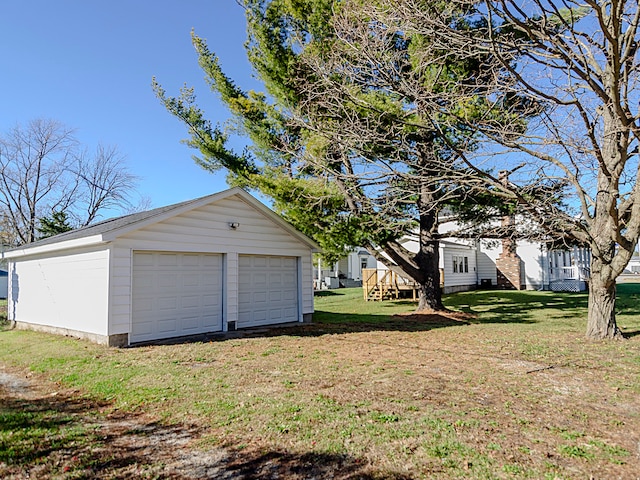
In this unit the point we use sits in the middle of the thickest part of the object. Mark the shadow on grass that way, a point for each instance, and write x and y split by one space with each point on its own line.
64 436
275 464
477 307
506 306
33 430
327 293
631 334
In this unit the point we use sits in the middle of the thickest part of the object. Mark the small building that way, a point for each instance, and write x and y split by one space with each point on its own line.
346 272
213 264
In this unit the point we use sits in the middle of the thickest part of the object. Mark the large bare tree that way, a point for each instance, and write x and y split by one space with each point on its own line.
577 67
43 171
104 182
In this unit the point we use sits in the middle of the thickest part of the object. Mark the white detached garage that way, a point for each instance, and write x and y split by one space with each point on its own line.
213 264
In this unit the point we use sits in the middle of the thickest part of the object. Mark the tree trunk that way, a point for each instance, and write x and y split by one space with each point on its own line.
428 256
609 256
430 293
601 320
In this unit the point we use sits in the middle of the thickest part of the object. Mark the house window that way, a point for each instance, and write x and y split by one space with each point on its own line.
460 264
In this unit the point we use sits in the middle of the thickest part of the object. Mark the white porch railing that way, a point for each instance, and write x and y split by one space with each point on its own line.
559 274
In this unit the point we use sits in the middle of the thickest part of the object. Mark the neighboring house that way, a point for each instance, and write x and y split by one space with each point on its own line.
4 283
347 272
634 265
537 267
458 264
466 265
213 264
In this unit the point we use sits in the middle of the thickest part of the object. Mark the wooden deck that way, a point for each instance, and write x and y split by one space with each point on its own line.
382 285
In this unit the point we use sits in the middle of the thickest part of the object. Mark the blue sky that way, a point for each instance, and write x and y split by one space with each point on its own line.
89 65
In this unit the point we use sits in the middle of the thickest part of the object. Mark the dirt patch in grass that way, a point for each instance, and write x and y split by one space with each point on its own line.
486 394
50 432
53 432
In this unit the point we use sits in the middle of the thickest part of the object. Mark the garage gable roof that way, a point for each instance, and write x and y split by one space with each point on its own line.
109 230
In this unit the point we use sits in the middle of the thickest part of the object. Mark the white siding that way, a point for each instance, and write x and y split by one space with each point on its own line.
67 291
531 254
4 286
446 251
121 269
533 258
455 279
487 254
231 288
206 230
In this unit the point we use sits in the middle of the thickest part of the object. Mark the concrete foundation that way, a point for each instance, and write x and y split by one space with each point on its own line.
119 340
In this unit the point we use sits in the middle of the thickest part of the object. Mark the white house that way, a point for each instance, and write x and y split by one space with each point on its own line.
541 267
458 264
217 263
634 265
347 272
466 265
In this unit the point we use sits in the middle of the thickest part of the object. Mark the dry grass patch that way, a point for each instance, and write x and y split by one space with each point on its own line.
508 388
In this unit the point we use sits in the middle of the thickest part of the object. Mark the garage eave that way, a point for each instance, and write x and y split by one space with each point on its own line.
53 247
315 248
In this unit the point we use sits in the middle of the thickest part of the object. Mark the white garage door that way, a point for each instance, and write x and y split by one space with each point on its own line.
267 290
175 294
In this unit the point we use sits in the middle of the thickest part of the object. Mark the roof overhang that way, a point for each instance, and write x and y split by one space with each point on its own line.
54 247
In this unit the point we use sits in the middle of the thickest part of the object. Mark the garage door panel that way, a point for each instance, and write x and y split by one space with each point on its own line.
260 316
267 290
290 262
191 323
167 260
142 260
142 328
260 261
175 294
167 327
290 312
212 322
190 260
143 281
192 280
167 303
209 280
212 261
143 305
275 296
211 301
192 301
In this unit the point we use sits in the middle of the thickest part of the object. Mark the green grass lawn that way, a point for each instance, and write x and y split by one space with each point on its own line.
510 389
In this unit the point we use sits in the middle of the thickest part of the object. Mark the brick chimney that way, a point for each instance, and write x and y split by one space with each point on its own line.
508 263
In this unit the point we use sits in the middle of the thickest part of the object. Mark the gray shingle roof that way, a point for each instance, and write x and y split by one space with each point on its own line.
108 225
